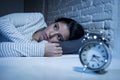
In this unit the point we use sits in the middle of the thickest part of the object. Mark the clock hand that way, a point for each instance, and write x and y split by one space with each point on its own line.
94 59
96 56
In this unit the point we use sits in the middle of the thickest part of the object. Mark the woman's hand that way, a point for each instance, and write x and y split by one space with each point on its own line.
53 50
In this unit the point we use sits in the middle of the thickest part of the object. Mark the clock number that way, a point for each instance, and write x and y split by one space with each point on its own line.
84 54
102 61
85 49
98 64
104 56
102 51
99 47
85 59
92 65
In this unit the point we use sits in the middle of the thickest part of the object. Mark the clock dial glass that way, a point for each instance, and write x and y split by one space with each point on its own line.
94 55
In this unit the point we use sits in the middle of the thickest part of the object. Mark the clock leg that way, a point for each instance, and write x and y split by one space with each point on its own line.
102 71
84 68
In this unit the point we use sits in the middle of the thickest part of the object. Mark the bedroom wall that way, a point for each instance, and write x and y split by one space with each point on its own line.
94 14
11 6
117 28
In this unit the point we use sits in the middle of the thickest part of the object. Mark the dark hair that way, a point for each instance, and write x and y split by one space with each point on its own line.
76 30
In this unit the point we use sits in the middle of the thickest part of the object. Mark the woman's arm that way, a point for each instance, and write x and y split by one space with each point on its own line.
11 49
10 23
20 19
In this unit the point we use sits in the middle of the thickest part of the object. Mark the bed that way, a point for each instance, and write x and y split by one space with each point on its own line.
67 67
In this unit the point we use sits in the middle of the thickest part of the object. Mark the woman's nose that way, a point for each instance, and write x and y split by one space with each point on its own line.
51 34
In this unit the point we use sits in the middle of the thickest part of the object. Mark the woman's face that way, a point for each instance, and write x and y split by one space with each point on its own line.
56 32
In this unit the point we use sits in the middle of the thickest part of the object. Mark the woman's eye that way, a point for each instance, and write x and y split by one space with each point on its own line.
60 37
56 27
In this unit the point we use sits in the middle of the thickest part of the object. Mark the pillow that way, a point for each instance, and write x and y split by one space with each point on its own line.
71 47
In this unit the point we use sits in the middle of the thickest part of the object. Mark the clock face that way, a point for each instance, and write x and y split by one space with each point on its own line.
94 55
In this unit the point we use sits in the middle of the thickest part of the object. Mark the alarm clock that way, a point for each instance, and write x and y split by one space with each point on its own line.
95 53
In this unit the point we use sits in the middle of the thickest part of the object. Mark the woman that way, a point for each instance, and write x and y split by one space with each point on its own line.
26 34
